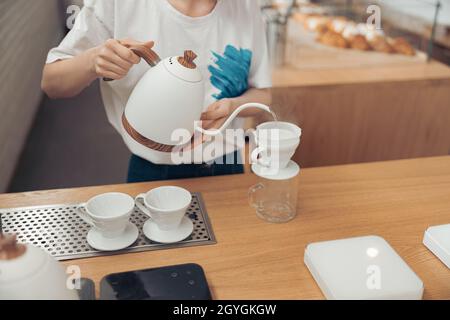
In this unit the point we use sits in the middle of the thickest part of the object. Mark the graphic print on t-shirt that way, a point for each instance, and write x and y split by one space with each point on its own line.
230 75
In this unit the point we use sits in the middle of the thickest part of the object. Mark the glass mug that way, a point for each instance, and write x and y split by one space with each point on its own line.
275 201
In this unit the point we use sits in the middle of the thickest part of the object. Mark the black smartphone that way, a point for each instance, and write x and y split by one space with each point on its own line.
181 282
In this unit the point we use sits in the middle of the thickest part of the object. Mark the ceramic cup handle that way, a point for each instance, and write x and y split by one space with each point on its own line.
252 194
255 159
82 213
141 205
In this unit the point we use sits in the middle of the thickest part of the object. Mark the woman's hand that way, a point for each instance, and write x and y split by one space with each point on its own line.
216 114
113 60
213 118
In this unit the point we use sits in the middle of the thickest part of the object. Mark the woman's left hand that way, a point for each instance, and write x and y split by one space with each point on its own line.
216 114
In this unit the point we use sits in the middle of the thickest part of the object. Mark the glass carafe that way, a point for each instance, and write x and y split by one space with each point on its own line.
275 196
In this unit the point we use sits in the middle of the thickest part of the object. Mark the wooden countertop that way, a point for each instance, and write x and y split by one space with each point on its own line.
290 76
253 259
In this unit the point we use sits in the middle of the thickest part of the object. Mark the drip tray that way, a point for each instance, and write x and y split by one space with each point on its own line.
58 230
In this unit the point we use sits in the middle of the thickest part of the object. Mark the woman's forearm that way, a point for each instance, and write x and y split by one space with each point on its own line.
67 78
263 96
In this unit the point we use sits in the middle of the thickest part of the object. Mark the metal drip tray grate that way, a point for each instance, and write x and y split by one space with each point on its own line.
58 230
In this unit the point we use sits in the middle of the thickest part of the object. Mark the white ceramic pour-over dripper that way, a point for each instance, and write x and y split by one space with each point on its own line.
275 149
232 117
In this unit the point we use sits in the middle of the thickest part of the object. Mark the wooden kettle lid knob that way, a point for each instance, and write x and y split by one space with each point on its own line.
188 59
9 248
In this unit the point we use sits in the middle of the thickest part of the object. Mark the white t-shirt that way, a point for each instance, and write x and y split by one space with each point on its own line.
234 27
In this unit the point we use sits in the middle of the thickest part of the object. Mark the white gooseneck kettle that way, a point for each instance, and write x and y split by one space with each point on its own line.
29 273
168 97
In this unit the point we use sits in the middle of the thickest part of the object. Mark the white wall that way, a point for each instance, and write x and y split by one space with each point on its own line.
27 29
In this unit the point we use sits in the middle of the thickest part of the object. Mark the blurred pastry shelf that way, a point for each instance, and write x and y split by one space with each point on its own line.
307 52
305 40
306 62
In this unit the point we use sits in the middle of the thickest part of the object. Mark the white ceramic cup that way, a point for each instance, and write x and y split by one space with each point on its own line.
109 213
276 144
166 206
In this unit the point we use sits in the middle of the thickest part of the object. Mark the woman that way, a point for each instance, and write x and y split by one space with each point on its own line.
227 35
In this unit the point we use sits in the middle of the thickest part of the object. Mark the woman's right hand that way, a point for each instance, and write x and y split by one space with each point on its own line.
113 60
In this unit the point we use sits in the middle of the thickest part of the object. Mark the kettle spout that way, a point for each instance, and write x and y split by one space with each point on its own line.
232 117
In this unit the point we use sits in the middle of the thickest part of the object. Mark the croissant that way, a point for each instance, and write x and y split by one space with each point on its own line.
380 44
333 39
402 46
355 38
359 42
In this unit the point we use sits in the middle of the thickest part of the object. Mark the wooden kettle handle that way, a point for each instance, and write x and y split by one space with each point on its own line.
143 51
